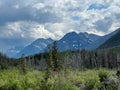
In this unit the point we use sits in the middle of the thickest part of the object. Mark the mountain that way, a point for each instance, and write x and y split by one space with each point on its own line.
113 41
37 46
70 41
102 40
74 41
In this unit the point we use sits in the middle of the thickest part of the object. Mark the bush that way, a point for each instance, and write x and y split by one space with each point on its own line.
112 83
118 73
103 75
91 84
107 81
62 84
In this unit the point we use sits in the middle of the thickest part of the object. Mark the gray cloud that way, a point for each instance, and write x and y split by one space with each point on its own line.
104 25
17 11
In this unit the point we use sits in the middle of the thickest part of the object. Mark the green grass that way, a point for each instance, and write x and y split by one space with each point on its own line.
70 80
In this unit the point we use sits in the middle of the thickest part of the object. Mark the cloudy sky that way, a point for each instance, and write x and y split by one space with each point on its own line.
23 21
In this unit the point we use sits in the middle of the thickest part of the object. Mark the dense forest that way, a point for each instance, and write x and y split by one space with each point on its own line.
6 62
74 59
79 59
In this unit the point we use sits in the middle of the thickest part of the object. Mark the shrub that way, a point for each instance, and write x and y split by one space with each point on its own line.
112 83
118 73
91 84
103 75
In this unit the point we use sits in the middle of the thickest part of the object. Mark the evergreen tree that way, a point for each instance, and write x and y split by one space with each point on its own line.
55 57
50 59
23 64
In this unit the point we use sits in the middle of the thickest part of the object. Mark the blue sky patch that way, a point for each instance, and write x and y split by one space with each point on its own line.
76 18
97 6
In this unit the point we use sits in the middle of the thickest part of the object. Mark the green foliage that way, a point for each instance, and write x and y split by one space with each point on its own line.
118 73
44 85
23 64
2 66
6 63
50 58
13 79
62 84
103 75
91 84
54 58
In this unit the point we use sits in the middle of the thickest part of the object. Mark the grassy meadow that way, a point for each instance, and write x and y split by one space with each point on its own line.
96 79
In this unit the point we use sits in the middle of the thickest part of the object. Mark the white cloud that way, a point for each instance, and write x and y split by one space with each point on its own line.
38 6
25 30
66 9
40 32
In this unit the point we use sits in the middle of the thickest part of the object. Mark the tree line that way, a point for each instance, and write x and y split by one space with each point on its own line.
6 62
55 60
106 58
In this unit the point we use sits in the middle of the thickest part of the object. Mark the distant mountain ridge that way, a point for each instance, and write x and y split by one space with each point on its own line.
70 41
113 41
74 41
35 47
102 40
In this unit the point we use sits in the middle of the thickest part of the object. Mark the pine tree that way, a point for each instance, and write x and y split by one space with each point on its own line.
50 59
23 64
55 57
